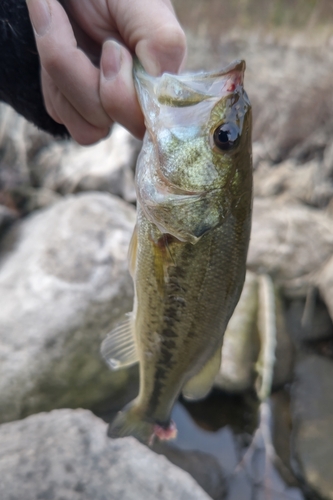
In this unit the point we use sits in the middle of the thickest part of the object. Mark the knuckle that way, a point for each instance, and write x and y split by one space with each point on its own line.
172 40
51 61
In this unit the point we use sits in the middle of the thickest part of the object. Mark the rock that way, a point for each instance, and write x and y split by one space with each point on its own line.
308 183
312 416
64 284
312 325
281 433
66 454
284 351
290 242
241 344
20 141
240 362
292 116
27 199
325 285
66 167
205 468
7 217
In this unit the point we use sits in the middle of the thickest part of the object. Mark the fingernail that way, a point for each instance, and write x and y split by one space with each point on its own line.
40 15
111 59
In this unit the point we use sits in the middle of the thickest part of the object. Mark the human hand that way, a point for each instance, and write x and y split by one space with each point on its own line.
87 77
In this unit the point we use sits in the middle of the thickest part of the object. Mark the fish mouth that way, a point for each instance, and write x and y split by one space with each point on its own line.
237 66
189 88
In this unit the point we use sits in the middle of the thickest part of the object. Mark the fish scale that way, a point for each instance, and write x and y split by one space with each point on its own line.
188 252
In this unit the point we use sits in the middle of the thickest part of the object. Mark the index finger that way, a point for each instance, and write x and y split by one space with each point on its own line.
68 67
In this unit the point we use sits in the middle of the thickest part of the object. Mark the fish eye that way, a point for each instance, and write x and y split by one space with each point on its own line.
226 136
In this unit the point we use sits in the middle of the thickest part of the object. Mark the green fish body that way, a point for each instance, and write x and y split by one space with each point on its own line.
188 251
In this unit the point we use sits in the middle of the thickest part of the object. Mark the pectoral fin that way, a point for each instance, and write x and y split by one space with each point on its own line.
119 348
132 250
200 385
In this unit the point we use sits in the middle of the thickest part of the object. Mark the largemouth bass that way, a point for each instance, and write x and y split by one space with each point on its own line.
188 252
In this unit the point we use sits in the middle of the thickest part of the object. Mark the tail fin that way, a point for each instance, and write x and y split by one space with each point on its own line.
130 422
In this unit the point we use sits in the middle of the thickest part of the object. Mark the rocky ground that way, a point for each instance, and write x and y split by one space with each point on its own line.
66 217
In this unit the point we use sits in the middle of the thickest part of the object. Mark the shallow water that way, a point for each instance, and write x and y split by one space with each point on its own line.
233 429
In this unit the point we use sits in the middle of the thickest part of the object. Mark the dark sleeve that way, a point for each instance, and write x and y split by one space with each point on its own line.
20 85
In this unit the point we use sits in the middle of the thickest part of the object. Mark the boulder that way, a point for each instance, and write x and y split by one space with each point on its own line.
66 454
7 217
290 242
291 182
312 417
66 167
241 342
64 284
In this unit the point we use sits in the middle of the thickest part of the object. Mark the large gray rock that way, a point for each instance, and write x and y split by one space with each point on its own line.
240 364
20 143
241 342
106 166
66 455
290 242
64 284
289 181
312 413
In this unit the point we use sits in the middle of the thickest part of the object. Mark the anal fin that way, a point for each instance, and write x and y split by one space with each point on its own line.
199 386
118 348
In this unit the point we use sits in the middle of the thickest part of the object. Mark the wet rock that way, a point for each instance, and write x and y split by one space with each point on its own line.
203 467
66 454
106 166
64 284
281 433
283 246
312 414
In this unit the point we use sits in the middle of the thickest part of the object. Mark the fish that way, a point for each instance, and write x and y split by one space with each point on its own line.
187 255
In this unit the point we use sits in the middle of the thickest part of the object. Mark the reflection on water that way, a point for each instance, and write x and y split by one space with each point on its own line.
219 409
221 443
221 425
237 432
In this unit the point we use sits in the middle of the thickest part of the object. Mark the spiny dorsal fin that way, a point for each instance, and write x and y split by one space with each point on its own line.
118 348
200 385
